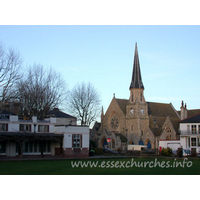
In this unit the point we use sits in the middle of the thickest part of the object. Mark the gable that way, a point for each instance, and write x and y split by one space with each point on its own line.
122 104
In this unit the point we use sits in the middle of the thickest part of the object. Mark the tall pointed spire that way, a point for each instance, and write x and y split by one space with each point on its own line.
136 81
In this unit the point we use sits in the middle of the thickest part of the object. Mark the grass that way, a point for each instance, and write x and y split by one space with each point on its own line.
109 166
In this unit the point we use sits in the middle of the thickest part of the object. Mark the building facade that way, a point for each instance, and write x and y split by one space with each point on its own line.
190 133
52 136
134 120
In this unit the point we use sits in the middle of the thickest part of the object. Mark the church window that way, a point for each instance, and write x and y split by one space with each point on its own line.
168 129
113 143
131 127
132 96
141 96
114 121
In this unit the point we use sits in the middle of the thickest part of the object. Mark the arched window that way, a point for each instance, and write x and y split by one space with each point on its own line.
148 143
141 96
113 143
168 129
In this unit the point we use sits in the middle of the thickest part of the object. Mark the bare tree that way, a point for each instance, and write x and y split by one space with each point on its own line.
10 71
40 90
84 103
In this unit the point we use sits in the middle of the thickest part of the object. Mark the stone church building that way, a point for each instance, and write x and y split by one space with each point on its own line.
135 121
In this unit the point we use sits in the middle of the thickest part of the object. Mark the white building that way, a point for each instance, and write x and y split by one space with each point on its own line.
52 136
75 140
190 133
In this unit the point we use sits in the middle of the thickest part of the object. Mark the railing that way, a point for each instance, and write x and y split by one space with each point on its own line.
197 132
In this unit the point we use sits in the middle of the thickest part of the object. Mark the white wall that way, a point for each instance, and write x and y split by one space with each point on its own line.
67 141
174 144
13 127
68 131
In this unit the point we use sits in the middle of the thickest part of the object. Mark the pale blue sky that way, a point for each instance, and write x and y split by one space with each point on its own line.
103 55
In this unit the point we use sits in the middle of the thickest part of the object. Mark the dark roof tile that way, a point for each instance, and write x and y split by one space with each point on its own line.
59 114
192 119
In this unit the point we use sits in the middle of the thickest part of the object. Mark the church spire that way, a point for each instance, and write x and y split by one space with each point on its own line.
136 81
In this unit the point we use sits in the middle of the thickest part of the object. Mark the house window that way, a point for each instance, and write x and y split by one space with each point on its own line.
188 142
33 147
199 142
3 127
194 129
43 128
193 142
199 129
2 147
76 141
25 127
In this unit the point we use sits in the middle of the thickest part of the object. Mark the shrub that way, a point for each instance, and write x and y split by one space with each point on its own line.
166 151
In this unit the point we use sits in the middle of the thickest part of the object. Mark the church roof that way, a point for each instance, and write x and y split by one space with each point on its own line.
158 112
161 110
122 104
136 81
154 109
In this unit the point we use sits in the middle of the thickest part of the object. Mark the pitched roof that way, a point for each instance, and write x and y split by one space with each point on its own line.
59 114
5 112
122 104
159 112
162 110
192 119
136 81
191 113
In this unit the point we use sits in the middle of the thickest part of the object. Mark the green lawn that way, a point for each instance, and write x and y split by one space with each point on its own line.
104 166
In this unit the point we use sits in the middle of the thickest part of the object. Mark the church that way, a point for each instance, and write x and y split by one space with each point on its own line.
135 121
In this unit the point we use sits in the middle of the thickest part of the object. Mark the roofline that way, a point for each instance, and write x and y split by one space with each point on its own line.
175 110
189 118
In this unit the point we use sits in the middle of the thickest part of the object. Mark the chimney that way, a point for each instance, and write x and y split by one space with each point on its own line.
183 111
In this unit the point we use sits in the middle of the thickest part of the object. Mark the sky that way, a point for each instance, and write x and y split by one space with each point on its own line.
103 55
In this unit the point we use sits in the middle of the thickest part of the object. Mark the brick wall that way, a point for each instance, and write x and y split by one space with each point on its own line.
76 152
